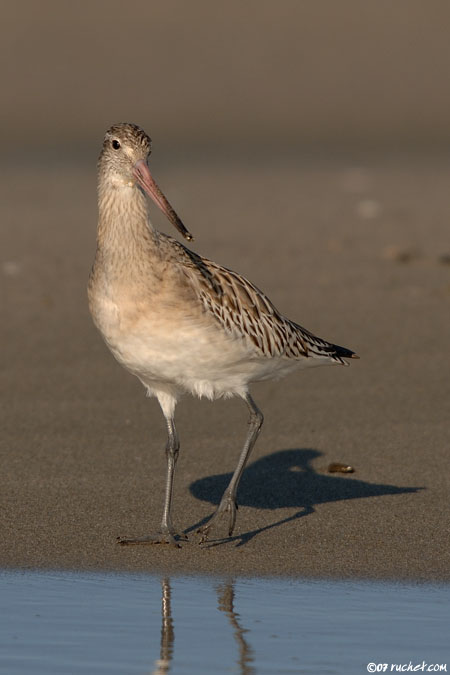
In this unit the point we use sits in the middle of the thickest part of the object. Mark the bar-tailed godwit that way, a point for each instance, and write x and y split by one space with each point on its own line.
178 321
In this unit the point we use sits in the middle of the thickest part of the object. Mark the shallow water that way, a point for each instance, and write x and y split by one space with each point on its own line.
116 623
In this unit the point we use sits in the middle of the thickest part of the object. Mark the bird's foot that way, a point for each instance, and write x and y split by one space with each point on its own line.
227 504
172 538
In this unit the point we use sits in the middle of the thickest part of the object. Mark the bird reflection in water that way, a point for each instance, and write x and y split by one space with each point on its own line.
225 597
225 603
167 632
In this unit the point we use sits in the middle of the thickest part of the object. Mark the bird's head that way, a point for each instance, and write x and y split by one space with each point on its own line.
123 163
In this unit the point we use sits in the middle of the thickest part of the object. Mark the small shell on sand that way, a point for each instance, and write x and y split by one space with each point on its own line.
338 467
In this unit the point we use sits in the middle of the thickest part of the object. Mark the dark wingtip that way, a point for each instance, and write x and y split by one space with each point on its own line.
344 353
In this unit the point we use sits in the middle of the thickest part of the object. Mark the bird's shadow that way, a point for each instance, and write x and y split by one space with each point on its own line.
286 479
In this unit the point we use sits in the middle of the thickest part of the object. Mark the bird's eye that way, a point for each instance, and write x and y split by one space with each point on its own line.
115 144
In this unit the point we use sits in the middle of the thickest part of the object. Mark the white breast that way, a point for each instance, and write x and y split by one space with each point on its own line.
191 354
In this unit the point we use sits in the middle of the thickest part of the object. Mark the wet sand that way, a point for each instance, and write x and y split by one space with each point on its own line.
354 251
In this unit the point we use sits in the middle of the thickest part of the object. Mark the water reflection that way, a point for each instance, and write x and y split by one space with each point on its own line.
167 631
225 597
225 603
64 622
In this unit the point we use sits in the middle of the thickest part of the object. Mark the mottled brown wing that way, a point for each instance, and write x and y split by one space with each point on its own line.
245 312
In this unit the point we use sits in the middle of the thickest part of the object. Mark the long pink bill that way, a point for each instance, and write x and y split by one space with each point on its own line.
145 180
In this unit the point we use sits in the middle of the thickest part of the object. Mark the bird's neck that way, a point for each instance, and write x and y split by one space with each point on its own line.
123 224
127 243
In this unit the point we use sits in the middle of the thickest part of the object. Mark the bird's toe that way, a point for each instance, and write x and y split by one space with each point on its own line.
156 538
227 504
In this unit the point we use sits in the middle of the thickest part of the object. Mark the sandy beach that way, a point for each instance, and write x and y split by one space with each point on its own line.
305 146
357 252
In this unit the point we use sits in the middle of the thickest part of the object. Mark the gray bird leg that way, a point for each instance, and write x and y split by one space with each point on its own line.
167 533
172 452
228 501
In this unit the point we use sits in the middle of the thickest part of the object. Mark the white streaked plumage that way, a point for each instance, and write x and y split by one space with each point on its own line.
178 321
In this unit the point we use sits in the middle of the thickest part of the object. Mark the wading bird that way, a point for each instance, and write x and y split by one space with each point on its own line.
179 322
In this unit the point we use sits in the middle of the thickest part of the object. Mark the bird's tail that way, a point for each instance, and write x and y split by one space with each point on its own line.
340 353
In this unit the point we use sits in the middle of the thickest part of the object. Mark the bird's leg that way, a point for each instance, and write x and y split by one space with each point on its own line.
167 533
172 452
228 501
